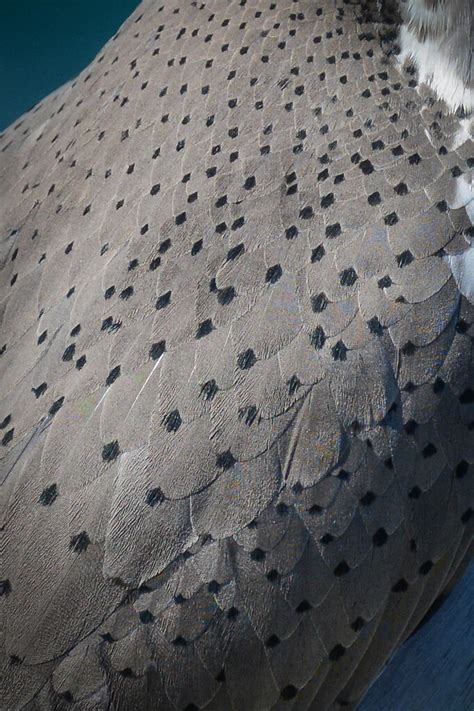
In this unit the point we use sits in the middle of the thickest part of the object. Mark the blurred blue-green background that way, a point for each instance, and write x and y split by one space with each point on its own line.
43 43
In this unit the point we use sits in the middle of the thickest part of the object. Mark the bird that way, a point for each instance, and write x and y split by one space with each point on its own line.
236 356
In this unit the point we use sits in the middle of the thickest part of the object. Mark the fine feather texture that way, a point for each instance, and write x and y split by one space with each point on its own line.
438 38
237 371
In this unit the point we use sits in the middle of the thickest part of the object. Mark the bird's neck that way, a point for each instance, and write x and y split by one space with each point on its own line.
438 35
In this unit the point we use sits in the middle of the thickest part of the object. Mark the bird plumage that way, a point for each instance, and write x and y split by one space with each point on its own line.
237 365
438 36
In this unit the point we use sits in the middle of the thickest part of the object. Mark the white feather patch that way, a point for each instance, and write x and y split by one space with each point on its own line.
462 265
435 69
423 16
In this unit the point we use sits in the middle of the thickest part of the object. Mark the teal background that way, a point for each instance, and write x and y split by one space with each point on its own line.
44 43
